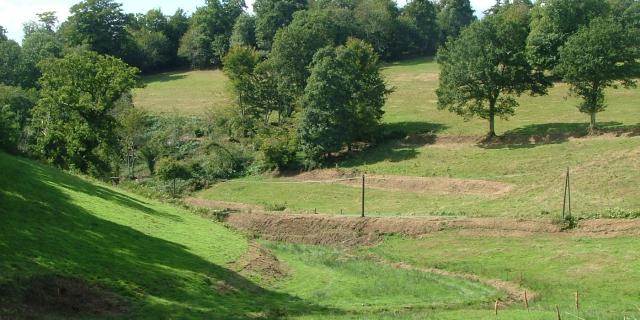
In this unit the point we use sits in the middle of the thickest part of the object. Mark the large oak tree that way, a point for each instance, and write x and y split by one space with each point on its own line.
486 68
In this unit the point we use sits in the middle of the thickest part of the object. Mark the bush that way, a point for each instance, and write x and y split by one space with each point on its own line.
275 206
567 223
277 148
170 169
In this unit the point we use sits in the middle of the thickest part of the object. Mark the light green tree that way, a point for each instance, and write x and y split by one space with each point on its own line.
597 57
486 68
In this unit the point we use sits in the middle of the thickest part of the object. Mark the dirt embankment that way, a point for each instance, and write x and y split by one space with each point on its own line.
326 229
441 185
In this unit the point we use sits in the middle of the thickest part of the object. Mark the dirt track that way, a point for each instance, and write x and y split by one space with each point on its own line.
327 229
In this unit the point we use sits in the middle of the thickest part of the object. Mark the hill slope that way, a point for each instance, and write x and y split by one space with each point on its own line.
64 239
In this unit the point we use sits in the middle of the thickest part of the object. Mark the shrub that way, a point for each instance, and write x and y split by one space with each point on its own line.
170 169
277 148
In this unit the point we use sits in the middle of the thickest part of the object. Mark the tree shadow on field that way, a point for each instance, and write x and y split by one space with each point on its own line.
409 62
43 232
164 77
535 135
399 143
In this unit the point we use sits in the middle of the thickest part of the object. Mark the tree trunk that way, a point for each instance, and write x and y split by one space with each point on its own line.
592 124
492 119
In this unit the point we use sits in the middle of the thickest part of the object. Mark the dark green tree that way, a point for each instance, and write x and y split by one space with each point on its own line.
73 122
207 40
453 16
553 21
40 43
99 24
343 100
153 50
377 24
244 31
597 57
177 26
295 45
15 110
422 16
271 15
239 64
10 61
486 68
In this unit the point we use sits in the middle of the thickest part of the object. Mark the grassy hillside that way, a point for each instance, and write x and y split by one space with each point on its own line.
183 93
535 172
411 107
164 260
70 247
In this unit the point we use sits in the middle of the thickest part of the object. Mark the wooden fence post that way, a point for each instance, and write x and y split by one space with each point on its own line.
363 196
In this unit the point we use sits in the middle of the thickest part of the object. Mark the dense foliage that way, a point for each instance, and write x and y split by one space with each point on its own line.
73 122
486 67
343 100
595 58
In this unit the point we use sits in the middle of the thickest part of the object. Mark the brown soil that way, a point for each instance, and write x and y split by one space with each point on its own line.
326 229
347 231
406 183
258 261
68 297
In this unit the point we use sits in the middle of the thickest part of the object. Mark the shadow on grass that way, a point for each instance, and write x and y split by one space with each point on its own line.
43 232
553 133
409 62
164 77
401 141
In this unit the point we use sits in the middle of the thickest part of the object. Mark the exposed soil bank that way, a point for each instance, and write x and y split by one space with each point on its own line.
327 229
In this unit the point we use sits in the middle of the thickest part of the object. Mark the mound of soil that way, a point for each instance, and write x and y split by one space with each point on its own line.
258 261
406 183
63 296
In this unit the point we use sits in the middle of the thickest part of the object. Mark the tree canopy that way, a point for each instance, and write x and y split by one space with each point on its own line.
553 21
342 101
597 57
486 67
73 123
